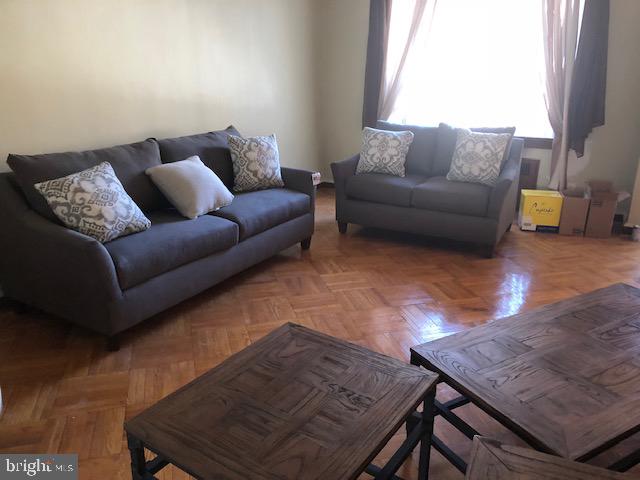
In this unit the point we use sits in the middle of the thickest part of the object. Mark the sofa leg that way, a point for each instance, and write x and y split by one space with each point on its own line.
21 308
342 227
113 343
488 251
509 227
306 243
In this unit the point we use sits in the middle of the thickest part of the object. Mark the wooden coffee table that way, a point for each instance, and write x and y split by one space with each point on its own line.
296 404
565 377
491 459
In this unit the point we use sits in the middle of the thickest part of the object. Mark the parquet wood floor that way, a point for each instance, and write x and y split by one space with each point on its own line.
63 392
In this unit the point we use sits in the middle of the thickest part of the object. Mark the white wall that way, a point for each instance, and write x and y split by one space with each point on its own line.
78 74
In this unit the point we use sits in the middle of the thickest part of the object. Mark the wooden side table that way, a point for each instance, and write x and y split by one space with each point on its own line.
296 404
492 460
564 377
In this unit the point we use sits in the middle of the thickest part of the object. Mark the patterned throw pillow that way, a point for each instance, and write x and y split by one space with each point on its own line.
478 157
95 203
256 163
384 151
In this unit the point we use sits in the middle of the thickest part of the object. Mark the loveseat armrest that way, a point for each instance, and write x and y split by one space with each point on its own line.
502 201
342 170
48 265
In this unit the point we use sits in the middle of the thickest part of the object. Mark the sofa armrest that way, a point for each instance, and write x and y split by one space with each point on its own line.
48 263
502 201
300 181
341 172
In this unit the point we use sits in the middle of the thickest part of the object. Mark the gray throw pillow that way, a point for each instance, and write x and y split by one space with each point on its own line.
191 186
95 203
478 156
256 163
384 151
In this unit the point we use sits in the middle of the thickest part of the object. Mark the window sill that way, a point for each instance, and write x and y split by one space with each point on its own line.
537 142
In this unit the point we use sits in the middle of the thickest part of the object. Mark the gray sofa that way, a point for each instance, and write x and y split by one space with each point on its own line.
110 287
424 201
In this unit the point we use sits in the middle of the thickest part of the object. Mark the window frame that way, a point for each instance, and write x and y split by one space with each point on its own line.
537 142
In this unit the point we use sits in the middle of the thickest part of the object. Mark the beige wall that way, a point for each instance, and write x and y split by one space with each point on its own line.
614 148
81 74
341 42
78 74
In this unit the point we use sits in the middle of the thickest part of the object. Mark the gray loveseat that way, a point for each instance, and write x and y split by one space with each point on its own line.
110 287
424 201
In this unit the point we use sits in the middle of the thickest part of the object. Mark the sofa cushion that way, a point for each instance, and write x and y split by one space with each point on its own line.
170 242
255 212
421 151
442 195
256 163
446 144
380 188
94 203
191 187
128 161
211 147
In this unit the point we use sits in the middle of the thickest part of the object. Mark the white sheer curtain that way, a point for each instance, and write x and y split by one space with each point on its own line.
410 24
475 63
561 20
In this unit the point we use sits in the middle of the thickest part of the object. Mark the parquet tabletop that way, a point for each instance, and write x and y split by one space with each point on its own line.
490 460
62 392
296 404
566 376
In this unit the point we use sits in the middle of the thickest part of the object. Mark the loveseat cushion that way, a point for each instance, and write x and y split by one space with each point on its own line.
446 144
381 188
170 242
128 161
442 195
211 147
255 212
422 149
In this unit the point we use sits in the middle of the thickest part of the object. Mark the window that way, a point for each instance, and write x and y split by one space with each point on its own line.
473 63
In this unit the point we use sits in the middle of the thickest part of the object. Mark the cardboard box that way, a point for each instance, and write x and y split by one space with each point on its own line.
602 209
575 208
539 210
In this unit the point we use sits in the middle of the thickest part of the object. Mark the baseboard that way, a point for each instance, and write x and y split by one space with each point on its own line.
326 185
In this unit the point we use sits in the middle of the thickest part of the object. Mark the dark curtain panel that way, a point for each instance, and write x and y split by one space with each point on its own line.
379 15
589 84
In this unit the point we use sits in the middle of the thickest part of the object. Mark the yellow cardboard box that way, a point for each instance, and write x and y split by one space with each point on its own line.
539 208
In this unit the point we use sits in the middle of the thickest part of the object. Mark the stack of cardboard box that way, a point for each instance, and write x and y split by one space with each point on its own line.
584 211
575 209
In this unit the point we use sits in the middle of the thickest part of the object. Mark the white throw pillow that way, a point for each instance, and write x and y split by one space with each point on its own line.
478 156
384 151
191 186
256 163
95 203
